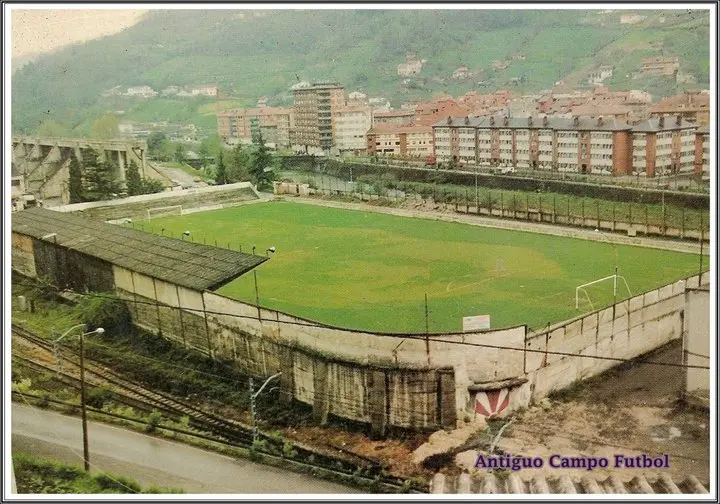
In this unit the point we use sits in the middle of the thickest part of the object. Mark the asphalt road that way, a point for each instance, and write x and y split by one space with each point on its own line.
152 461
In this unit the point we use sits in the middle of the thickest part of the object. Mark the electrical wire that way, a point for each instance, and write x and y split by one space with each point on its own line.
406 336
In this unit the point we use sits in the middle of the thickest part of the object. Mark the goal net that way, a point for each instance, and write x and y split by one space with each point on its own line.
600 292
164 211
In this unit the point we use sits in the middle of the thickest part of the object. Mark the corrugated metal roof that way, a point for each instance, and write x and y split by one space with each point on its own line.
489 483
181 262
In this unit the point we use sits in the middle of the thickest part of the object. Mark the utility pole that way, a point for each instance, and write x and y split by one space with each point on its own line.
257 294
702 239
99 330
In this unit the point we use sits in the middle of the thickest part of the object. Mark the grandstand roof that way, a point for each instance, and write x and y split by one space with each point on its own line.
184 263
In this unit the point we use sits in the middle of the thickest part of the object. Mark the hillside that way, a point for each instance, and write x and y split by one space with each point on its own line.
254 53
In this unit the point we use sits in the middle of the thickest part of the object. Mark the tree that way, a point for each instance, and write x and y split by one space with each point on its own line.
132 180
152 186
211 145
179 153
100 180
155 141
105 127
75 183
51 128
261 165
203 152
239 161
220 172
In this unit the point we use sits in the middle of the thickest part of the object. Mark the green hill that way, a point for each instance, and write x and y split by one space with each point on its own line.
254 53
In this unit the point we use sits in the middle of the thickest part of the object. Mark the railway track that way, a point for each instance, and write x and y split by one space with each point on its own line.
227 430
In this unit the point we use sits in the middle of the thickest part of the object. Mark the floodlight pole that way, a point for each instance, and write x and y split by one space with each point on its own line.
427 324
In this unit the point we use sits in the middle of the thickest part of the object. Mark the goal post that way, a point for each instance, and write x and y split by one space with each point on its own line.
164 211
582 288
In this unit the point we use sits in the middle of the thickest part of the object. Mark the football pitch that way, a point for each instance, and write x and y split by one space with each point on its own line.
366 270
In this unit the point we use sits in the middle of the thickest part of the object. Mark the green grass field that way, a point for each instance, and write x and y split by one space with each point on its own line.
371 271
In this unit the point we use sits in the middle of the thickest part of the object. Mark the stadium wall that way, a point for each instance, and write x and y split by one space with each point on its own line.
696 346
136 207
406 380
624 331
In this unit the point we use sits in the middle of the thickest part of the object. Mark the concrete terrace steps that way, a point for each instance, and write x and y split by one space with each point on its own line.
514 483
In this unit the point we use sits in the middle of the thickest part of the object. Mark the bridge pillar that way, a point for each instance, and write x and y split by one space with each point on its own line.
121 163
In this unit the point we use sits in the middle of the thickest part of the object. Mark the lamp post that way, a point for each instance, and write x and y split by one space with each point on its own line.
269 250
253 396
185 233
99 330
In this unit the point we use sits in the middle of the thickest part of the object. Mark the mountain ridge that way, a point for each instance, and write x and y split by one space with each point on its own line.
254 53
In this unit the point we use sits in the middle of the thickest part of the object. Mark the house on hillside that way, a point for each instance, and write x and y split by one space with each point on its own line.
631 18
409 68
597 76
498 65
461 73
141 91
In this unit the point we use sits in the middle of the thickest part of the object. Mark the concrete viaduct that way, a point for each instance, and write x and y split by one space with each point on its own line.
43 162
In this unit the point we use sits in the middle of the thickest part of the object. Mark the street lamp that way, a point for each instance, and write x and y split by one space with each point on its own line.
253 396
185 233
267 251
99 330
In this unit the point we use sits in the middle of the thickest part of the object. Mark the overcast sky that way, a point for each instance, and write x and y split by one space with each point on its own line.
38 31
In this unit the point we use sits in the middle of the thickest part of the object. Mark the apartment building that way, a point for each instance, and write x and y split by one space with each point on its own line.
663 146
429 113
579 145
352 124
395 117
702 152
314 109
274 123
692 105
405 141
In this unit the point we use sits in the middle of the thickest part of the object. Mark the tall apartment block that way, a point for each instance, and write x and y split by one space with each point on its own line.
314 110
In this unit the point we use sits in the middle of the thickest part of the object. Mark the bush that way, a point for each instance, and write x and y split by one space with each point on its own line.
288 450
97 397
109 313
153 420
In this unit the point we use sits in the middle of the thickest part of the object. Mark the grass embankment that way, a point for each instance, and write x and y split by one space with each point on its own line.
36 475
371 271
